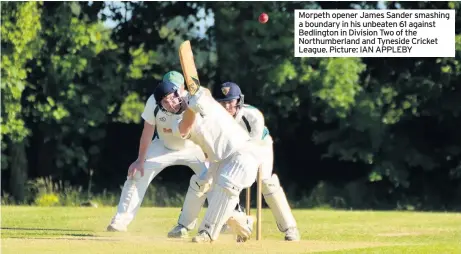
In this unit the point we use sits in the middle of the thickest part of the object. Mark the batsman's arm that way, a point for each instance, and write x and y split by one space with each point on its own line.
184 127
187 122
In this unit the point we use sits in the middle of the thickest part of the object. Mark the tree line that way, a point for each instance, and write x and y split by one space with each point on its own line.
370 132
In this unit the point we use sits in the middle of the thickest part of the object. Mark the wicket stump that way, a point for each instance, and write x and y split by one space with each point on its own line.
258 203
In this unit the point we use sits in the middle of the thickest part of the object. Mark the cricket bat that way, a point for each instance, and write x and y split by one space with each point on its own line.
186 57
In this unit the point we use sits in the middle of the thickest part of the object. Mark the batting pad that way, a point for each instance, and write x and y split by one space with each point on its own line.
225 198
195 198
276 199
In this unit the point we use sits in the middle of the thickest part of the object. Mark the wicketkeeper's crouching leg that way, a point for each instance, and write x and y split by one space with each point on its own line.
277 201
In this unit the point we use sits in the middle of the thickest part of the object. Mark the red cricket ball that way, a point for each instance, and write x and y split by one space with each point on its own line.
263 18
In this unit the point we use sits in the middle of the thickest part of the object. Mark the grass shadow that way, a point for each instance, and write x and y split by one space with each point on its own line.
43 229
81 237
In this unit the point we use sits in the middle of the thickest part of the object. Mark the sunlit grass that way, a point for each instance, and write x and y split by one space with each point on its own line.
82 230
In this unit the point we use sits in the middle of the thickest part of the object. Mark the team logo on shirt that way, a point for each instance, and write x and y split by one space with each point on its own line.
163 119
225 90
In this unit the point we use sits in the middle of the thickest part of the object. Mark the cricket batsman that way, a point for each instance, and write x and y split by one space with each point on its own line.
162 111
234 155
252 120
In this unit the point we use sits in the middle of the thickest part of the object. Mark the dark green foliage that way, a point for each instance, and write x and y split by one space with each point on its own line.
371 132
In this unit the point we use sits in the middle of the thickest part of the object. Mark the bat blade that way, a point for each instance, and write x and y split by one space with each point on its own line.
186 57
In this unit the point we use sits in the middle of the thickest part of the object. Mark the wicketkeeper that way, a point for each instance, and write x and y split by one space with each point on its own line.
252 120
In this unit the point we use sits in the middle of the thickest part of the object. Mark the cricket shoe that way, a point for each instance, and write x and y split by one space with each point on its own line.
178 232
202 237
242 226
292 234
116 228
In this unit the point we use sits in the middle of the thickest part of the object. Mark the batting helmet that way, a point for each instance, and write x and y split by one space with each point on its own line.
163 89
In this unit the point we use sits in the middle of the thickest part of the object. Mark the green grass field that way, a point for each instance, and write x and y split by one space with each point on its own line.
82 230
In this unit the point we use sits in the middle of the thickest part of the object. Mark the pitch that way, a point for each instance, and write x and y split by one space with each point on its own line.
82 230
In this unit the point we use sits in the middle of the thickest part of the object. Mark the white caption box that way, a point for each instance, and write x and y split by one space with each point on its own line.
374 33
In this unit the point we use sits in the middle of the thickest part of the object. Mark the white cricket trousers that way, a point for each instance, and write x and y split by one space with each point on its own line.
267 155
158 158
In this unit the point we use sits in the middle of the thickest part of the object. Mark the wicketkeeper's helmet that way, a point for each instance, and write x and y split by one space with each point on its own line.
229 91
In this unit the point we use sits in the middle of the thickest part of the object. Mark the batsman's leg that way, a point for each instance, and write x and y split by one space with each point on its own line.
195 198
237 213
225 198
235 173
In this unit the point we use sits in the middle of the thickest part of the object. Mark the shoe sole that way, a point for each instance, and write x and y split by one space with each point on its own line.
241 239
178 236
112 229
195 241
